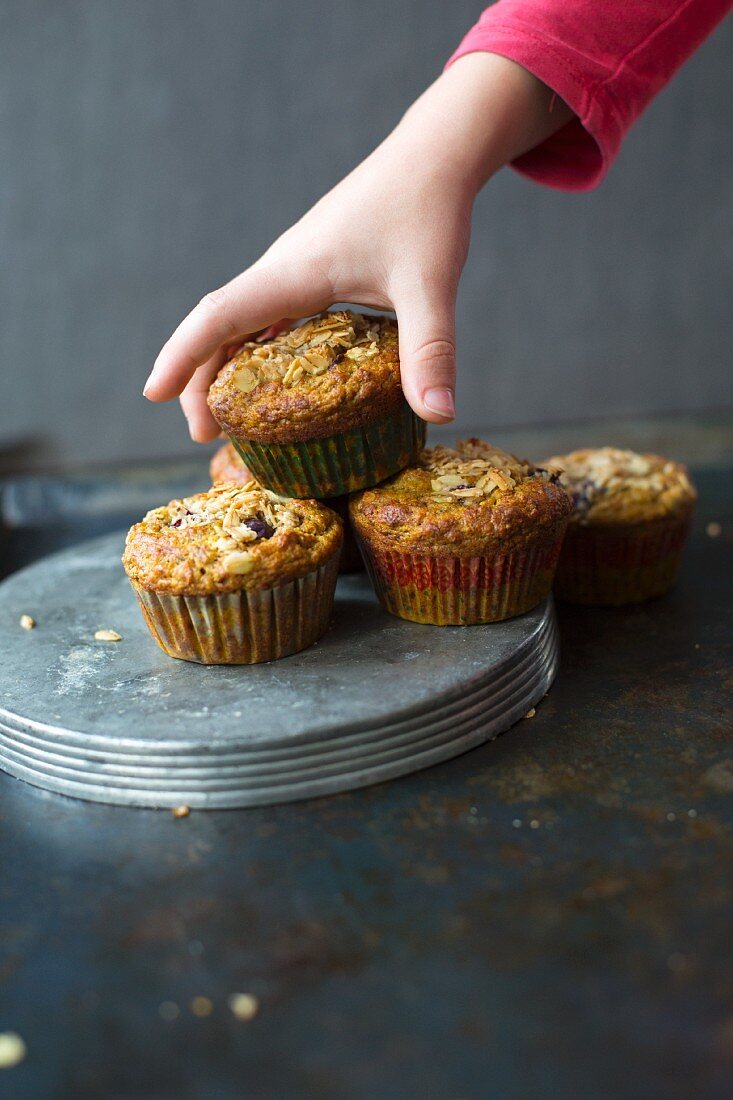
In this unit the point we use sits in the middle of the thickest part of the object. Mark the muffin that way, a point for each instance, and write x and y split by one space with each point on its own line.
318 411
226 465
469 535
629 526
235 575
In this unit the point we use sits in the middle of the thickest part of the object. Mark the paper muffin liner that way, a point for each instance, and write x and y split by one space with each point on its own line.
340 463
607 565
245 627
455 591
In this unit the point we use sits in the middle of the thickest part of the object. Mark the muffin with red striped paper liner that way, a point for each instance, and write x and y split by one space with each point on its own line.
631 518
468 535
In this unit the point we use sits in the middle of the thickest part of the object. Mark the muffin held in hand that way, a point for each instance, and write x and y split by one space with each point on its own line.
319 411
628 529
470 535
226 465
235 575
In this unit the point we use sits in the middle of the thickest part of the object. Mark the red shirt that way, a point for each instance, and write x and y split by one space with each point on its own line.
606 58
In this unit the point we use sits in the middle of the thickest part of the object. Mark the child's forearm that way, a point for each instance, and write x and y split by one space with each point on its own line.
480 114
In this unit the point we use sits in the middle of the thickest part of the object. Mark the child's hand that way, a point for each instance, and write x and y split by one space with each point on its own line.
393 234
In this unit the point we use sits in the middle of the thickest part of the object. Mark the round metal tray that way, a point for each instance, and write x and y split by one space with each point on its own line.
121 722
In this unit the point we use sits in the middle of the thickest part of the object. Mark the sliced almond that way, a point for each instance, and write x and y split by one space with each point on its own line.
238 562
317 358
245 380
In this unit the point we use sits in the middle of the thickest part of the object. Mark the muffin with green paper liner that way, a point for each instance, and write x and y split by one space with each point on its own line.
318 411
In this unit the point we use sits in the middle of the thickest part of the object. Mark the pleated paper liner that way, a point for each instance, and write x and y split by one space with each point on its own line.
340 463
607 565
245 627
453 591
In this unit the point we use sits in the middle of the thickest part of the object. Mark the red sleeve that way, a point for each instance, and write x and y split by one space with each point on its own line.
606 58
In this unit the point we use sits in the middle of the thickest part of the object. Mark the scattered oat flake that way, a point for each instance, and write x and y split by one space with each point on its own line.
181 811
202 1006
27 622
713 530
107 636
12 1049
531 713
244 1006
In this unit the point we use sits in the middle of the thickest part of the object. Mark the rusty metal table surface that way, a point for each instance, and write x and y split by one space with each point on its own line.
546 916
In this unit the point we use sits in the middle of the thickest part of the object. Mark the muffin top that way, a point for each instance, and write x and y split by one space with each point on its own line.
461 501
338 371
226 465
229 538
611 486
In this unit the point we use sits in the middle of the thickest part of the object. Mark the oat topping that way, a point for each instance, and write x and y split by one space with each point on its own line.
598 479
239 516
310 349
27 622
474 469
107 636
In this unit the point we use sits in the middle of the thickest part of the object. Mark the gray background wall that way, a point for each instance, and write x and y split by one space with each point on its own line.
150 149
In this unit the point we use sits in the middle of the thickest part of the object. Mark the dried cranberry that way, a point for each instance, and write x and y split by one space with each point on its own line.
260 528
177 522
584 494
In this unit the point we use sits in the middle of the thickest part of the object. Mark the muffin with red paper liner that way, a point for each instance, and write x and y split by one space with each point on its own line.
226 465
631 518
470 534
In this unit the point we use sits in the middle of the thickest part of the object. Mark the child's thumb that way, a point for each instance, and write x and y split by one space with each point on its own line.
428 354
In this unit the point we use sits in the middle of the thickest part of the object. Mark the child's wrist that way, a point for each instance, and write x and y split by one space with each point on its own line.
479 115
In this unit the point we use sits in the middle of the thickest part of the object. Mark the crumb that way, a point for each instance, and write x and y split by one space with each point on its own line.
244 1006
531 713
12 1049
202 1006
181 811
713 530
107 636
27 622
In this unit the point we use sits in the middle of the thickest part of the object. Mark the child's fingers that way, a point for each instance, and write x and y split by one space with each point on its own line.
428 351
201 424
249 303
